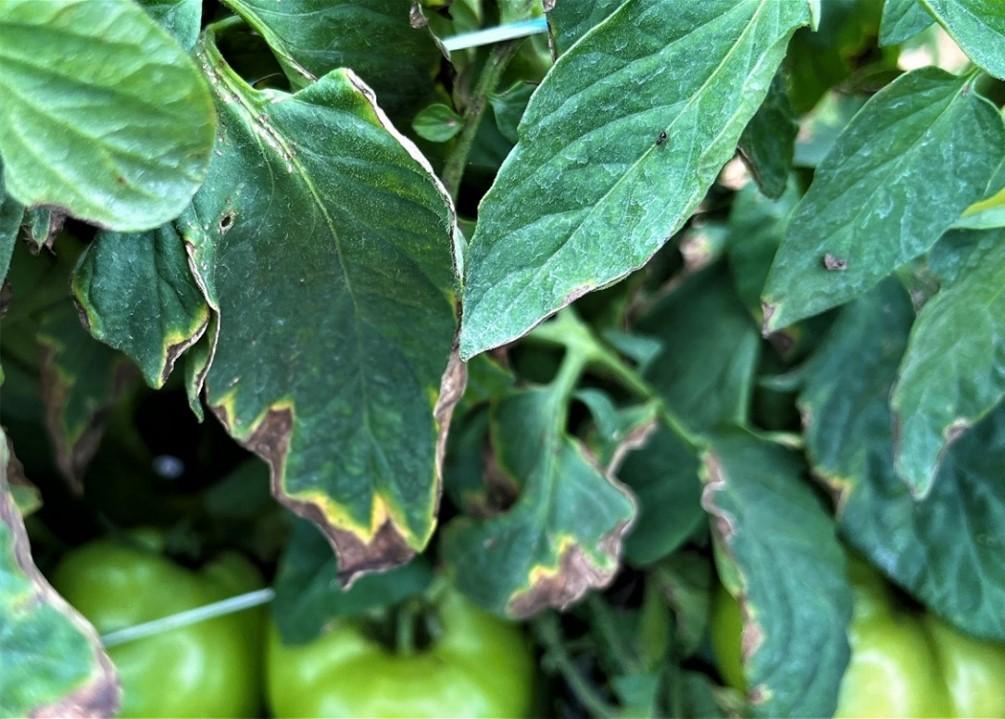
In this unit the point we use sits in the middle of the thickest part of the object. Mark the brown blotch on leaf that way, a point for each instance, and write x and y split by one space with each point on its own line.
722 521
100 694
178 349
576 575
832 263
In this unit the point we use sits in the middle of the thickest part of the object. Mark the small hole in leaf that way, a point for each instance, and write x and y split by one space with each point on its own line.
226 222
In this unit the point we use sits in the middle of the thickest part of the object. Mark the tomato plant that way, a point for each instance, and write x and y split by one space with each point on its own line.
521 355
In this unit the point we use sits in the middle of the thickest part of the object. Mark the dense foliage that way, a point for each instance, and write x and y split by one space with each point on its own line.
676 305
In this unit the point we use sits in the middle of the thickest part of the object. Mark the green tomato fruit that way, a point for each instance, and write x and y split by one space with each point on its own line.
210 669
973 669
478 666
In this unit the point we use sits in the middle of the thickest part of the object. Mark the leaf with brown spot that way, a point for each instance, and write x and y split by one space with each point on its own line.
780 548
51 661
563 535
324 248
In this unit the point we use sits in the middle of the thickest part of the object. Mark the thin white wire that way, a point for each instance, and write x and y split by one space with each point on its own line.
493 35
189 617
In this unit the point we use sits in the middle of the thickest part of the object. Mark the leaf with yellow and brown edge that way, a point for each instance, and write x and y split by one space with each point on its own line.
326 245
563 535
138 296
81 378
51 661
779 553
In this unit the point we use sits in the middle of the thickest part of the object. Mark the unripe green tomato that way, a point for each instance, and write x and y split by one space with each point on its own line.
974 670
209 669
478 666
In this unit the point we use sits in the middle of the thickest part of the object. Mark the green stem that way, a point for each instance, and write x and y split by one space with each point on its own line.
404 635
547 631
457 161
604 623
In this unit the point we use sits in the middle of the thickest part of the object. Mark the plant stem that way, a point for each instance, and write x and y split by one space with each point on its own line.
457 161
604 623
546 629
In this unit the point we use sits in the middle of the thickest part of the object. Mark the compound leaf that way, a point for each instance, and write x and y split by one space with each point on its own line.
873 205
104 115
618 146
326 246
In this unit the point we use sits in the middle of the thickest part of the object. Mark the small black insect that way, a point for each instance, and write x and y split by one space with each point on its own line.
662 138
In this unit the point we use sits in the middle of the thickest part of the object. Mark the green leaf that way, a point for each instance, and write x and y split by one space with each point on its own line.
51 661
872 206
337 307
756 229
138 296
663 475
509 107
953 372
820 129
988 214
40 228
563 534
11 213
569 21
768 143
902 20
181 18
105 117
945 549
978 26
81 378
654 98
783 543
371 37
517 10
309 594
437 123
705 373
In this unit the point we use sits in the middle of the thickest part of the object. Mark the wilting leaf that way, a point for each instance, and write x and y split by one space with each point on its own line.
571 20
705 372
954 370
309 593
618 146
41 225
768 143
872 205
371 37
181 18
978 26
81 378
104 115
51 662
337 307
138 296
776 532
902 20
946 549
563 534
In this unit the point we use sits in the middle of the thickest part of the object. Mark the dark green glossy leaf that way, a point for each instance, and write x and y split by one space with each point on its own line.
978 26
437 123
105 116
872 206
768 143
51 661
181 18
617 148
953 372
337 307
902 20
563 534
81 378
309 594
945 549
138 296
705 372
782 547
371 37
